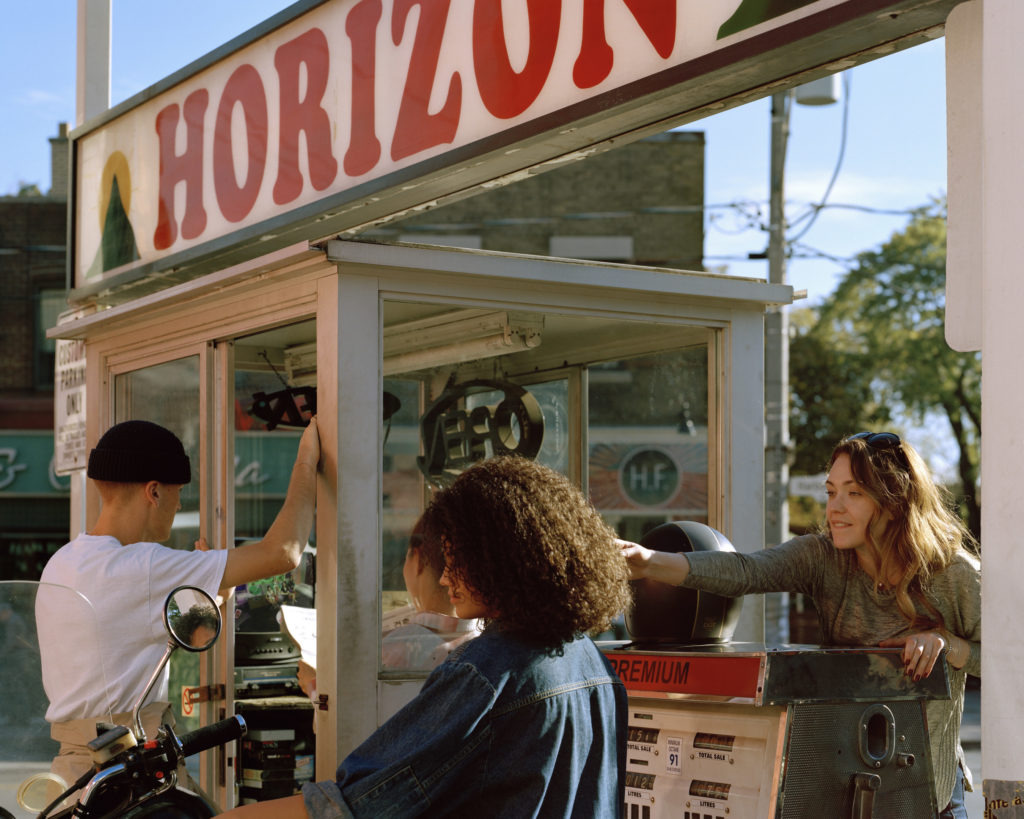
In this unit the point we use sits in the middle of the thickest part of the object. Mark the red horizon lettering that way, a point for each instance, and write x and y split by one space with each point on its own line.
505 92
657 18
416 129
186 167
306 115
364 147
303 65
244 87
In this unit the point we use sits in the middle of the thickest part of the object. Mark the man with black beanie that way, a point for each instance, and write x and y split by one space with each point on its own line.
139 468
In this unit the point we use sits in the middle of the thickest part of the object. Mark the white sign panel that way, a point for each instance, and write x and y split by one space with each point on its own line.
808 486
69 407
347 112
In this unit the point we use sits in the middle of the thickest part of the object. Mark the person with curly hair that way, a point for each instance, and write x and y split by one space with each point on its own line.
431 633
199 626
528 719
894 567
434 630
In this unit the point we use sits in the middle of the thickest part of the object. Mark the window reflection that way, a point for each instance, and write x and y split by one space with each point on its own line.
403 499
648 436
553 398
262 469
168 394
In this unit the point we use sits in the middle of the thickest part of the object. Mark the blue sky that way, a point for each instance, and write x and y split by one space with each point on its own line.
894 159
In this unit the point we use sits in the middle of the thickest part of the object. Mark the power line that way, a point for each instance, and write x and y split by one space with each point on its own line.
812 214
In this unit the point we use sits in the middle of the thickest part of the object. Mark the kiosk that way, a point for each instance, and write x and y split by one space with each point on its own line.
584 365
215 287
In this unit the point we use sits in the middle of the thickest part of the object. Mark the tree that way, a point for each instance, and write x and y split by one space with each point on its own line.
830 391
884 329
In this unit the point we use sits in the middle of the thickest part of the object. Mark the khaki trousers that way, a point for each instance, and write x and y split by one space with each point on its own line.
74 758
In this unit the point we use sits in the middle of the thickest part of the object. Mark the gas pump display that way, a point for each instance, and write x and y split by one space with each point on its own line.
716 762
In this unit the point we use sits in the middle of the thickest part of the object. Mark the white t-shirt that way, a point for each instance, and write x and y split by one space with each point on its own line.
90 668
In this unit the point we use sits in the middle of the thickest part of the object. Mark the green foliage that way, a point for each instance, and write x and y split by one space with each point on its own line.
805 515
876 350
831 390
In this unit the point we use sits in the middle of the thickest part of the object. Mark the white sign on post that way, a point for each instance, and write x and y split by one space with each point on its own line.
808 486
69 450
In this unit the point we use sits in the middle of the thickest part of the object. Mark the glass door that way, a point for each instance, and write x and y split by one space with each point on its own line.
169 394
273 387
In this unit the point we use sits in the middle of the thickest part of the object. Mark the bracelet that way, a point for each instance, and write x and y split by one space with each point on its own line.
953 651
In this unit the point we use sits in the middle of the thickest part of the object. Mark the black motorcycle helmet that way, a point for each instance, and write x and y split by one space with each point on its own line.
666 614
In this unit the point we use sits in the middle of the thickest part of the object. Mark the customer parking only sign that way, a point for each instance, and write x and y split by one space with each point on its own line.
69 407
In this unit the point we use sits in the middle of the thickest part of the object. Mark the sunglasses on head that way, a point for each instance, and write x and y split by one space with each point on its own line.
882 442
878 440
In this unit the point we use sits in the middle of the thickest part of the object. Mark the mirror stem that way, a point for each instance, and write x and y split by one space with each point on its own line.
140 733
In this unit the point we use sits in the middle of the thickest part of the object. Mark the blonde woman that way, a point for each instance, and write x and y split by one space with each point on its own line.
893 567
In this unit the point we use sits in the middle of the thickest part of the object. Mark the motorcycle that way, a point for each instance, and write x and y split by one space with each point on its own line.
132 776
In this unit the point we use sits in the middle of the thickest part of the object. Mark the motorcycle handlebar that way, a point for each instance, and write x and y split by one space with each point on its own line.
211 736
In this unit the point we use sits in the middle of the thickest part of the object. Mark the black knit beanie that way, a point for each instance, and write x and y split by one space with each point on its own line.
137 452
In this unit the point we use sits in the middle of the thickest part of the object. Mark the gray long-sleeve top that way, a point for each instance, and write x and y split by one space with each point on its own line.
852 611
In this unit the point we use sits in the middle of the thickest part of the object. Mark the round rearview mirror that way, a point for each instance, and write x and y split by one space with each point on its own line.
192 618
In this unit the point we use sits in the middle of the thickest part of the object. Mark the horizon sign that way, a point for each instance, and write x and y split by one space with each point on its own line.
333 116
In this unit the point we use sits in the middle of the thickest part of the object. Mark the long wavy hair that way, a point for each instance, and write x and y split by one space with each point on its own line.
924 534
528 542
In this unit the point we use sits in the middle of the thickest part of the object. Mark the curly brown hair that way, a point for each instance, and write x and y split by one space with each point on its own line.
528 542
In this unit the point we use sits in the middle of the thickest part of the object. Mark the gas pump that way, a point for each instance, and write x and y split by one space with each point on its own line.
723 730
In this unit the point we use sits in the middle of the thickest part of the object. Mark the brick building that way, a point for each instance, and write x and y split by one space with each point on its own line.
640 203
34 506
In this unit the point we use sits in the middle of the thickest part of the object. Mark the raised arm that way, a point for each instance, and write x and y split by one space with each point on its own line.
281 548
665 567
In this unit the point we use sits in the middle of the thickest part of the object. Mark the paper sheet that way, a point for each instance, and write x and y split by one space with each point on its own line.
300 624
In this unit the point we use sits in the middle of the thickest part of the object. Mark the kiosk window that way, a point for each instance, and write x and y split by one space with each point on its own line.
274 392
621 405
403 498
648 439
168 394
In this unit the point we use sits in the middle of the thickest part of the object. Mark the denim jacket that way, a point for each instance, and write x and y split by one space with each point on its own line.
500 729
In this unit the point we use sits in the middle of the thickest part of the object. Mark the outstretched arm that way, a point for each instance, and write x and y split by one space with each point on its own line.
665 567
281 548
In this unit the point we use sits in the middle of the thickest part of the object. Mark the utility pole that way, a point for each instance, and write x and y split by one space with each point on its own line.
92 98
776 371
